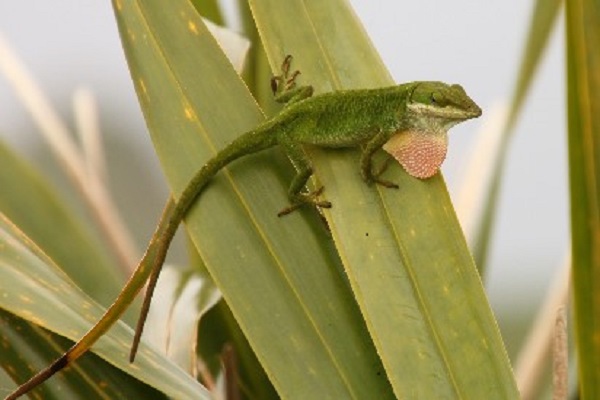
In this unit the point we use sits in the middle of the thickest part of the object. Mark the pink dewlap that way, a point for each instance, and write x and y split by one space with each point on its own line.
421 154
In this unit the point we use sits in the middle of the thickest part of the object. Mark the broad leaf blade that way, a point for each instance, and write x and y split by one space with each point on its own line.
279 276
32 348
34 289
403 251
29 202
583 71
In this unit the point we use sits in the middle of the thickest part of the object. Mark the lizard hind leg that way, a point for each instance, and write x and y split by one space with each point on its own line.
284 85
296 194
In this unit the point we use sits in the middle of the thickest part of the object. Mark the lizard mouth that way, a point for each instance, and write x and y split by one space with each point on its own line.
450 113
420 153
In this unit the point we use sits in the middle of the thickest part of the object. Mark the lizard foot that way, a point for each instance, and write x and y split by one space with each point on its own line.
304 199
285 81
284 85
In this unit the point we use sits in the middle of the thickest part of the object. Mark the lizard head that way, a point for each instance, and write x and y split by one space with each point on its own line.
432 108
435 106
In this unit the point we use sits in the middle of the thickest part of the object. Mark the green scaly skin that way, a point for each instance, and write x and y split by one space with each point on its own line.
352 118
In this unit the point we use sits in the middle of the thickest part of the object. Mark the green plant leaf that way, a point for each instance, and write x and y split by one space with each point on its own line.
30 203
403 251
583 86
33 348
209 9
34 289
414 295
280 278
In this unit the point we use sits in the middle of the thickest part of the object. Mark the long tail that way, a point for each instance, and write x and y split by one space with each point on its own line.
156 252
251 142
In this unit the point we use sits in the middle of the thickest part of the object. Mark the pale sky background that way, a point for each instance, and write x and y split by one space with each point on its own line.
73 43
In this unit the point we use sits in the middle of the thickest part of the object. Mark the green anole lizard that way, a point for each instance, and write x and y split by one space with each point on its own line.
410 121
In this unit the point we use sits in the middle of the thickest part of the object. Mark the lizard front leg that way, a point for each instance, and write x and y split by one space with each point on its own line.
366 161
304 171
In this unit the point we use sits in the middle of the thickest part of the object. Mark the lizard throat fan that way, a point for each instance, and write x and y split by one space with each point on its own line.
433 108
420 154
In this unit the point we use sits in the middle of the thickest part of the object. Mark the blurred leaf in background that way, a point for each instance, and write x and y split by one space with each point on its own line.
583 78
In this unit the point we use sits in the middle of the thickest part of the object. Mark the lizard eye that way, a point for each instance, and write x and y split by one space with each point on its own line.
438 99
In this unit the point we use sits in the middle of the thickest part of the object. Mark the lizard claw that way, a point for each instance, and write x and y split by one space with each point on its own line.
303 199
382 182
284 86
286 80
374 176
387 184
